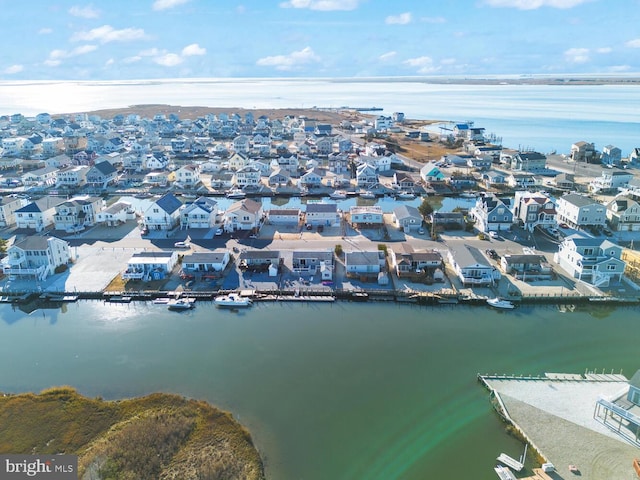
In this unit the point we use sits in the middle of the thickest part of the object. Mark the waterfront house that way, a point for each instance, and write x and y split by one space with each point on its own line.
312 178
157 178
116 214
222 180
243 215
187 176
279 178
407 218
202 213
584 152
284 216
262 260
403 181
35 257
623 214
462 181
366 176
431 173
592 260
164 213
491 214
239 160
580 211
564 181
150 265
366 216
43 177
408 263
206 263
78 213
325 214
471 266
610 181
364 264
529 267
448 221
37 215
480 163
241 144
611 156
528 161
72 176
493 178
534 210
8 207
102 174
247 176
522 180
338 163
313 262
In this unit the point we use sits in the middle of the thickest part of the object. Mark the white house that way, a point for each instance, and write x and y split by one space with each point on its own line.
284 216
471 266
325 214
243 215
8 207
610 181
76 214
164 213
72 176
363 262
248 175
534 209
207 263
187 176
580 211
366 176
116 214
43 176
591 260
312 262
202 213
35 257
366 215
623 214
38 214
150 265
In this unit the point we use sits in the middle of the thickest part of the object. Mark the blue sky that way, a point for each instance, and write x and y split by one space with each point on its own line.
146 39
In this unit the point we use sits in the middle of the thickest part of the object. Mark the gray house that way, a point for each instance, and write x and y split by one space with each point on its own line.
407 218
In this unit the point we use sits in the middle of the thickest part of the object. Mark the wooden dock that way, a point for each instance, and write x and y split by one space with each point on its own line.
510 462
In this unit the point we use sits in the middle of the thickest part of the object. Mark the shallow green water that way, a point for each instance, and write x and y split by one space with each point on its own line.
340 391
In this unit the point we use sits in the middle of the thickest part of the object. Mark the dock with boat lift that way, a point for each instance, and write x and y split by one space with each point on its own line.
510 462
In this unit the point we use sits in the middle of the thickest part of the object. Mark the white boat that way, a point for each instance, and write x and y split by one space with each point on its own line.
367 194
232 300
498 302
406 195
181 304
338 195
236 193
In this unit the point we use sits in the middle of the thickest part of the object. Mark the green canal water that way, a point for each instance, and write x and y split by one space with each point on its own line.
329 391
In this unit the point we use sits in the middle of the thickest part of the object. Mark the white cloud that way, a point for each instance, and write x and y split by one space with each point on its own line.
401 19
13 69
324 5
168 60
193 49
107 33
633 43
387 56
151 52
45 31
577 55
291 61
448 61
134 59
423 64
604 50
535 4
56 56
109 62
166 4
84 12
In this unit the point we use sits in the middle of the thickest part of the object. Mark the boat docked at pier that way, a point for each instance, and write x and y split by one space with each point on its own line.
236 193
338 195
405 195
179 304
498 302
367 194
232 300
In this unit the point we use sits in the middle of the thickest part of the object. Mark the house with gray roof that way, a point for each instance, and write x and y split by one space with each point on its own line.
580 211
38 214
492 213
164 213
406 218
116 214
325 214
471 266
35 257
592 260
623 214
312 262
102 174
202 213
363 263
8 207
207 263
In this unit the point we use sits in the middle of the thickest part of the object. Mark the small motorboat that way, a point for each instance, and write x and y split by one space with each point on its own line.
338 195
236 193
181 304
406 195
367 194
232 300
498 302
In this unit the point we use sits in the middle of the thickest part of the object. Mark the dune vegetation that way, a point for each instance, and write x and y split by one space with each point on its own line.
159 436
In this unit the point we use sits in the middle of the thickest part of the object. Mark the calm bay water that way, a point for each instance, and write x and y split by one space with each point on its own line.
541 117
341 391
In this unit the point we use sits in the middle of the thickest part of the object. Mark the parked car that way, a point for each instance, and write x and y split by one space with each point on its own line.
493 234
553 231
492 254
607 232
219 232
181 244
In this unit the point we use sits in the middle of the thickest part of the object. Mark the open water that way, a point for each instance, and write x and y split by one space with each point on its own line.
339 391
532 117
